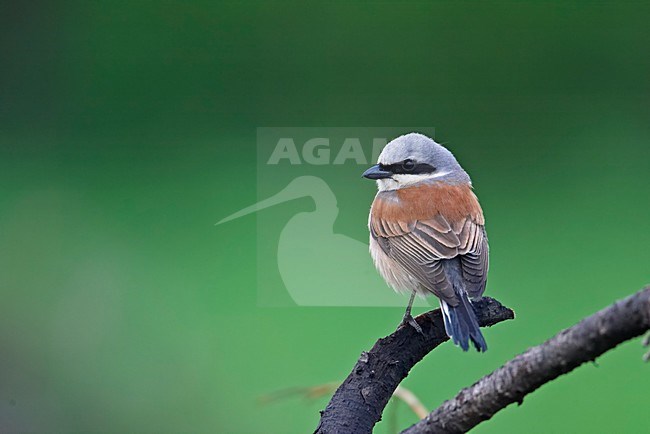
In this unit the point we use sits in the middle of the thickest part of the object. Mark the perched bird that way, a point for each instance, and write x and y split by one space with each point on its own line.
427 232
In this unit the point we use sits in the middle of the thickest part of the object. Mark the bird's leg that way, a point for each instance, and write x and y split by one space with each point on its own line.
408 318
407 314
646 343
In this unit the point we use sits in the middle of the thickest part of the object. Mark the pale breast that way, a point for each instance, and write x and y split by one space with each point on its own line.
393 273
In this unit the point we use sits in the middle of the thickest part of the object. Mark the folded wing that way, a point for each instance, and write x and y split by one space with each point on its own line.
420 246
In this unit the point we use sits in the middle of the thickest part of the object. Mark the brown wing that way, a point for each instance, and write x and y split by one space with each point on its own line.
421 248
421 244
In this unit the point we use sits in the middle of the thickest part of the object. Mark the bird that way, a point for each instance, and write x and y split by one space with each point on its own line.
427 232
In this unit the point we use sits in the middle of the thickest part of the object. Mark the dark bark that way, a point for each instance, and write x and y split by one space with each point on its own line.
358 403
567 350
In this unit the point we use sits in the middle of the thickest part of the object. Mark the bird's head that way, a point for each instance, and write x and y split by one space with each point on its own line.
412 159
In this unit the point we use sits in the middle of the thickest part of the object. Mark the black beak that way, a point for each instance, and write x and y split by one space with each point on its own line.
375 172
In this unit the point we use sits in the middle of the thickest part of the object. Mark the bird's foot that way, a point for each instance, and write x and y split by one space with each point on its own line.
408 319
646 343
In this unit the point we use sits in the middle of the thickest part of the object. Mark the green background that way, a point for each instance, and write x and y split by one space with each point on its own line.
127 129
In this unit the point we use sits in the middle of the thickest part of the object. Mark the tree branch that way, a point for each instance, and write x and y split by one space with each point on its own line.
358 403
564 352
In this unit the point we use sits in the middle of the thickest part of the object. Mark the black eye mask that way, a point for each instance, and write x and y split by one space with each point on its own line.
408 167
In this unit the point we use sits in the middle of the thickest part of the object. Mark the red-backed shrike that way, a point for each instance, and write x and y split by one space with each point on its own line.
427 233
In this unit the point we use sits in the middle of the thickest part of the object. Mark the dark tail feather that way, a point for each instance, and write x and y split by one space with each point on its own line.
461 324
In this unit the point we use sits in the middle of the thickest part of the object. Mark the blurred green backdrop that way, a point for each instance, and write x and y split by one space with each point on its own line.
128 128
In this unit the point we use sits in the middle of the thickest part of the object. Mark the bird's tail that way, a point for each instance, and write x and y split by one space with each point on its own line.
461 324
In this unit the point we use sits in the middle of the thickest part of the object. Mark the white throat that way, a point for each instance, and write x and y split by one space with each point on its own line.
398 181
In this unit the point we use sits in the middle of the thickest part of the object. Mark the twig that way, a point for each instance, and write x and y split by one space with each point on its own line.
358 403
412 401
401 394
309 392
567 350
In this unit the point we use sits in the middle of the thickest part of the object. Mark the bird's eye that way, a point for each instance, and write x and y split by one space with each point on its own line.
408 165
